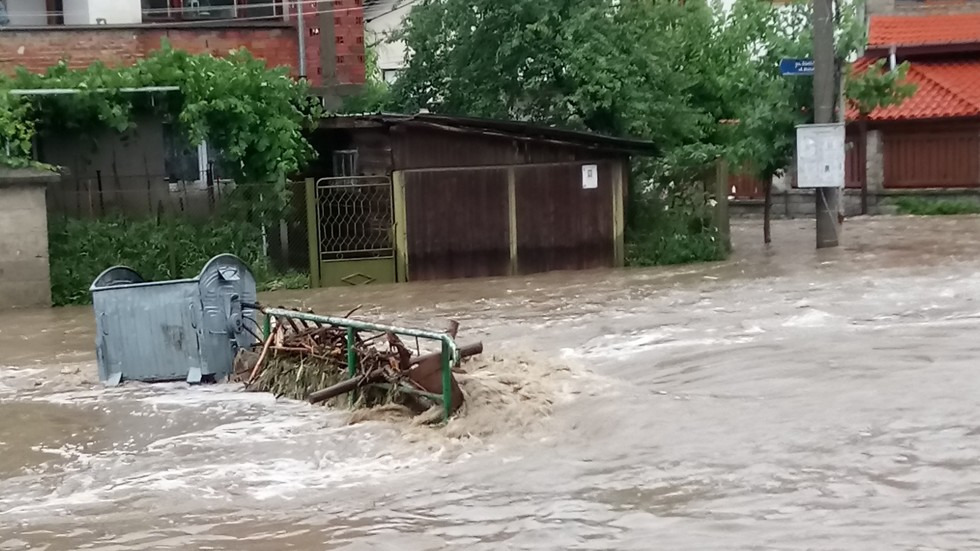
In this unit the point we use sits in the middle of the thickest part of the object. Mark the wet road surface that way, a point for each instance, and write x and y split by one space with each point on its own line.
785 399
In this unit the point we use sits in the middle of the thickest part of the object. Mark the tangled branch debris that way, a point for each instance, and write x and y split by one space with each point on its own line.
309 361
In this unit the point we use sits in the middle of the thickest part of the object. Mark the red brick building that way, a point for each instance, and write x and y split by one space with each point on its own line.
152 166
42 32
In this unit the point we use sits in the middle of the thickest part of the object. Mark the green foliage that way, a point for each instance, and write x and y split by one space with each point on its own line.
768 106
635 68
168 248
874 87
255 116
622 68
16 131
672 223
925 207
289 280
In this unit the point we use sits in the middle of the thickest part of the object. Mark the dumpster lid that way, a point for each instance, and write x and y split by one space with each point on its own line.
116 275
228 267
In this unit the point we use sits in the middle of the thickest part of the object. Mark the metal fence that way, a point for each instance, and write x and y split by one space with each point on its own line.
98 194
215 215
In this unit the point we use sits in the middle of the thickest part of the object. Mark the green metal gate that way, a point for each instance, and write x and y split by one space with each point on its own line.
350 221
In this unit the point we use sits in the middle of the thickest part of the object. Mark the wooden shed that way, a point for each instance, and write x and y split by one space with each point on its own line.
424 197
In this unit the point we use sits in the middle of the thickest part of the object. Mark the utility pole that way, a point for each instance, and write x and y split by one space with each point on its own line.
301 32
824 92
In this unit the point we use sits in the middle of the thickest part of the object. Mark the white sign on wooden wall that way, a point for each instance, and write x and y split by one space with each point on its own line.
590 176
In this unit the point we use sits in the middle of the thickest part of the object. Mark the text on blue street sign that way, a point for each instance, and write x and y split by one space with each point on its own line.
796 67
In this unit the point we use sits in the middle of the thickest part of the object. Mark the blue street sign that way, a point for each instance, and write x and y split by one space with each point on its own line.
796 67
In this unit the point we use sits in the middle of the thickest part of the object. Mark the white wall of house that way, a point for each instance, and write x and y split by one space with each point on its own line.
380 20
108 12
76 13
27 12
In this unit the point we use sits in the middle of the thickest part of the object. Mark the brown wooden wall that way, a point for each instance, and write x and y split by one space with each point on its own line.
458 221
457 224
854 162
929 156
561 226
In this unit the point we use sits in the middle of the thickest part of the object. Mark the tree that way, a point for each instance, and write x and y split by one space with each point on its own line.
670 72
622 67
615 67
770 106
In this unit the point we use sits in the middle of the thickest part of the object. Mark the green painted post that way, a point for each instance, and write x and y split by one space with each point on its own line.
351 360
267 326
312 235
447 381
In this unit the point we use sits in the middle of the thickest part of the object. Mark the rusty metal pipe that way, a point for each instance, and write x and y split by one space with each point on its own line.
465 351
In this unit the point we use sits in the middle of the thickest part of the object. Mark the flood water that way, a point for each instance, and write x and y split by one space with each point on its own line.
785 399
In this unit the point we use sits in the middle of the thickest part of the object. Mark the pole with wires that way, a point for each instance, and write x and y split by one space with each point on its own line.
301 31
824 92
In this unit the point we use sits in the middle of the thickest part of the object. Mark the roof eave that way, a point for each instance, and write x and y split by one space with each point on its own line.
905 50
517 129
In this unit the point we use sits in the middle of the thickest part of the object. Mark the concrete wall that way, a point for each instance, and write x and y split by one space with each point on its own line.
24 272
802 203
917 7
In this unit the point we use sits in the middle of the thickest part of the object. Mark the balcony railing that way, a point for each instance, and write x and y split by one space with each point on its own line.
204 10
27 13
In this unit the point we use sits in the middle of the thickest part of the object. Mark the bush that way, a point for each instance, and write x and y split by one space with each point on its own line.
671 224
925 207
80 249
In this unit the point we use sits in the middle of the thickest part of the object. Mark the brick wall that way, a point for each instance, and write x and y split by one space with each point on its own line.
348 19
343 41
277 43
37 49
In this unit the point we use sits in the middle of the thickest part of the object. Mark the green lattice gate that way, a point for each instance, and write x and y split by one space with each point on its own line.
351 230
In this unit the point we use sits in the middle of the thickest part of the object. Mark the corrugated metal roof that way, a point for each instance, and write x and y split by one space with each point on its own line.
517 129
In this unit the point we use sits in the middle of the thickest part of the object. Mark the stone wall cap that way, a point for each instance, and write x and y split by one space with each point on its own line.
27 176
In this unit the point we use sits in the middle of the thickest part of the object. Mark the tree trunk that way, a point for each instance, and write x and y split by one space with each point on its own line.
863 161
767 210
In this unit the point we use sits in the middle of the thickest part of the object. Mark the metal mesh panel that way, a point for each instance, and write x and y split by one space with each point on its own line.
354 218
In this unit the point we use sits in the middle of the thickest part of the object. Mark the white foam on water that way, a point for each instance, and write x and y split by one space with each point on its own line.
254 431
813 318
653 340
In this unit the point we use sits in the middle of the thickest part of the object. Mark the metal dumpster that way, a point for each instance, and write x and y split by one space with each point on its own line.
186 329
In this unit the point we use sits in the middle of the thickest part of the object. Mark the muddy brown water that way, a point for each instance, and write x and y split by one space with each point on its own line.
785 399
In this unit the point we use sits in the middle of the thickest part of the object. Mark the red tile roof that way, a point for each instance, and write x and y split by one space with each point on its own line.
944 90
928 30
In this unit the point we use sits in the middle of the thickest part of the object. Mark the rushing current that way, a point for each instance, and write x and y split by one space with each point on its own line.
787 398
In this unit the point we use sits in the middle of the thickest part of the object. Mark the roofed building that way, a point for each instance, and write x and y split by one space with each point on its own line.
931 140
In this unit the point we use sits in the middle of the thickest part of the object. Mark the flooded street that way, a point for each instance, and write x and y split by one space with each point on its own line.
784 399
